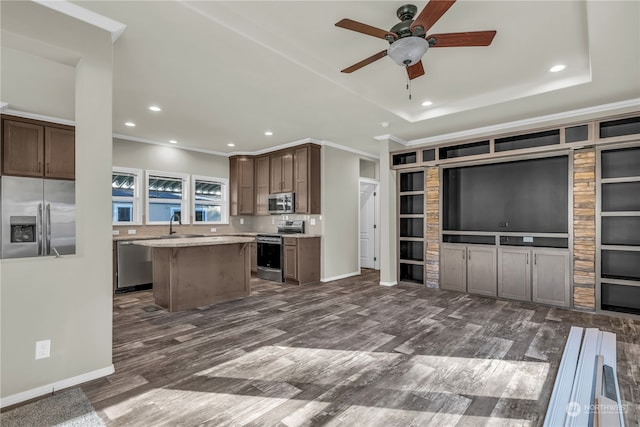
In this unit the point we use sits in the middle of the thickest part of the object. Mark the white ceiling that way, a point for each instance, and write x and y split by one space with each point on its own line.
228 71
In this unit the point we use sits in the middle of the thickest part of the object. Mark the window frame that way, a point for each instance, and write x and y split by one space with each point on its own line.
135 200
184 201
224 203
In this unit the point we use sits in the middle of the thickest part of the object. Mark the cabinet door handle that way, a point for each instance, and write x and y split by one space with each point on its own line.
39 166
527 258
535 259
469 255
464 255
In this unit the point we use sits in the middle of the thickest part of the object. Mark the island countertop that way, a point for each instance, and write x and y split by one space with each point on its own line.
194 241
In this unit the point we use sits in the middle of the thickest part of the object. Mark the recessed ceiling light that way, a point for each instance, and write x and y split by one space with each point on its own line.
557 68
385 124
231 144
173 141
268 133
155 108
427 103
130 124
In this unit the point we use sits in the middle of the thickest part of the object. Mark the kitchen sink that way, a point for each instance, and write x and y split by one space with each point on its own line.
181 236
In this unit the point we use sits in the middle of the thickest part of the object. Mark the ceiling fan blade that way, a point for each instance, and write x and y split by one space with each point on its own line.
431 13
415 70
472 38
359 27
364 62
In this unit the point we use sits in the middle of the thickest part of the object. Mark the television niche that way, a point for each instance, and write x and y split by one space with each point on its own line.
520 196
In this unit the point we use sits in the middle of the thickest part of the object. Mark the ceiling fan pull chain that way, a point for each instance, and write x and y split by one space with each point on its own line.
409 84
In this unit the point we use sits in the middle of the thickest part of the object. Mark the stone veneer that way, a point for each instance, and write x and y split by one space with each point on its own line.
432 235
584 229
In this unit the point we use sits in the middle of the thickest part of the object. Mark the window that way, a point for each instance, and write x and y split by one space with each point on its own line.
210 196
167 195
125 196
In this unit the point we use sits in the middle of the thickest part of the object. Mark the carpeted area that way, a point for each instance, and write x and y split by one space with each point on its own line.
69 408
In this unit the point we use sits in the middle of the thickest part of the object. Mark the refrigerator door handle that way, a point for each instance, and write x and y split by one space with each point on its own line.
39 226
48 211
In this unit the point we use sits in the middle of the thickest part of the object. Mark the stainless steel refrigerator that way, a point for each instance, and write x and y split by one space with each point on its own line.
38 217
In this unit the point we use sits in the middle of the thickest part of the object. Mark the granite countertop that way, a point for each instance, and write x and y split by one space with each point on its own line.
252 234
194 241
301 236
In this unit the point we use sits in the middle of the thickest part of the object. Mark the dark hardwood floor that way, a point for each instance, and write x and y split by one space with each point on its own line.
348 353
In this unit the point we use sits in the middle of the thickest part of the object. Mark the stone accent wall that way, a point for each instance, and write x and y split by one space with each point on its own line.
432 223
584 229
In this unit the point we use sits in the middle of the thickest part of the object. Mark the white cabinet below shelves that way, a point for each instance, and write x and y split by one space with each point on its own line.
453 267
514 273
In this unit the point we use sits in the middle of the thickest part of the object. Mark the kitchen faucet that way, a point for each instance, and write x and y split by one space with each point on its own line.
175 215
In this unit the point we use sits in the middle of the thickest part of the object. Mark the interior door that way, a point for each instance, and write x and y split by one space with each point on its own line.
367 225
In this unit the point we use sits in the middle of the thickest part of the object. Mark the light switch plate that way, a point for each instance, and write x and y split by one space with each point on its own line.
115 232
213 229
131 231
527 239
241 220
43 349
312 221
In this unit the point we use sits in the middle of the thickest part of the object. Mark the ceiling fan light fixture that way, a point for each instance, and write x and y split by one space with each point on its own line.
408 50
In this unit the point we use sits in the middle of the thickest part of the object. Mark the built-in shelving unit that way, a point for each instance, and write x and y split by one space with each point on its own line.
411 205
618 286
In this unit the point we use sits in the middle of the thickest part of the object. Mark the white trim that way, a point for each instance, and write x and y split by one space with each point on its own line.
38 117
342 276
391 138
388 283
185 214
224 202
275 147
137 195
504 127
376 231
80 13
3 106
57 385
349 149
167 144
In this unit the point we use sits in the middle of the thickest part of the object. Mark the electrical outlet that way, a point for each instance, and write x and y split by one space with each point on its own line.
241 221
115 232
273 220
213 229
131 231
312 221
503 224
43 349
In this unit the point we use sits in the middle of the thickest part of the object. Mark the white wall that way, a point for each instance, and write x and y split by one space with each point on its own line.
340 199
132 154
67 300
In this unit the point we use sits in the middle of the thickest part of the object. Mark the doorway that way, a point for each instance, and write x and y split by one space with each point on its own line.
369 230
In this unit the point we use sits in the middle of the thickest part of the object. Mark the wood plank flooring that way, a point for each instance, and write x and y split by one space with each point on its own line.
345 353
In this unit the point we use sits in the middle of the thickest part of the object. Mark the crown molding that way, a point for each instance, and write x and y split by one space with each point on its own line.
167 144
5 110
540 120
85 15
391 138
350 150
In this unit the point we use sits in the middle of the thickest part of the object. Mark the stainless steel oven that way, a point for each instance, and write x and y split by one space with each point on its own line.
270 262
270 257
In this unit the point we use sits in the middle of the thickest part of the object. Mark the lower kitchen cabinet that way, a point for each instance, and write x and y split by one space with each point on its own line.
254 257
534 274
468 268
302 260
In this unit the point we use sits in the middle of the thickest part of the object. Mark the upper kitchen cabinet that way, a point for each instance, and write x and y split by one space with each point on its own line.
281 172
306 177
241 181
37 149
262 185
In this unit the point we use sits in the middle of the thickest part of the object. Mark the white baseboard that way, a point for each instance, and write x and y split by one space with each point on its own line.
58 385
388 283
342 276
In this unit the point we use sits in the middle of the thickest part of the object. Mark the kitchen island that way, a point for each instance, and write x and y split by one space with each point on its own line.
197 271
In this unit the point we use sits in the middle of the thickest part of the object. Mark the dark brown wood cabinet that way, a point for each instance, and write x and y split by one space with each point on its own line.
254 257
37 149
281 164
306 173
241 180
262 185
302 260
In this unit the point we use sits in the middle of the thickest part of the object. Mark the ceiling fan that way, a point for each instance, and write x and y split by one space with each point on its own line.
408 40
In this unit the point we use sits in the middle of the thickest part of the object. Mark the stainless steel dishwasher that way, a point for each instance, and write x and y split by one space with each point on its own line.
135 267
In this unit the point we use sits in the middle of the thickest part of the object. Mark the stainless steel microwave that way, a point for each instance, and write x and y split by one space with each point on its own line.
282 203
